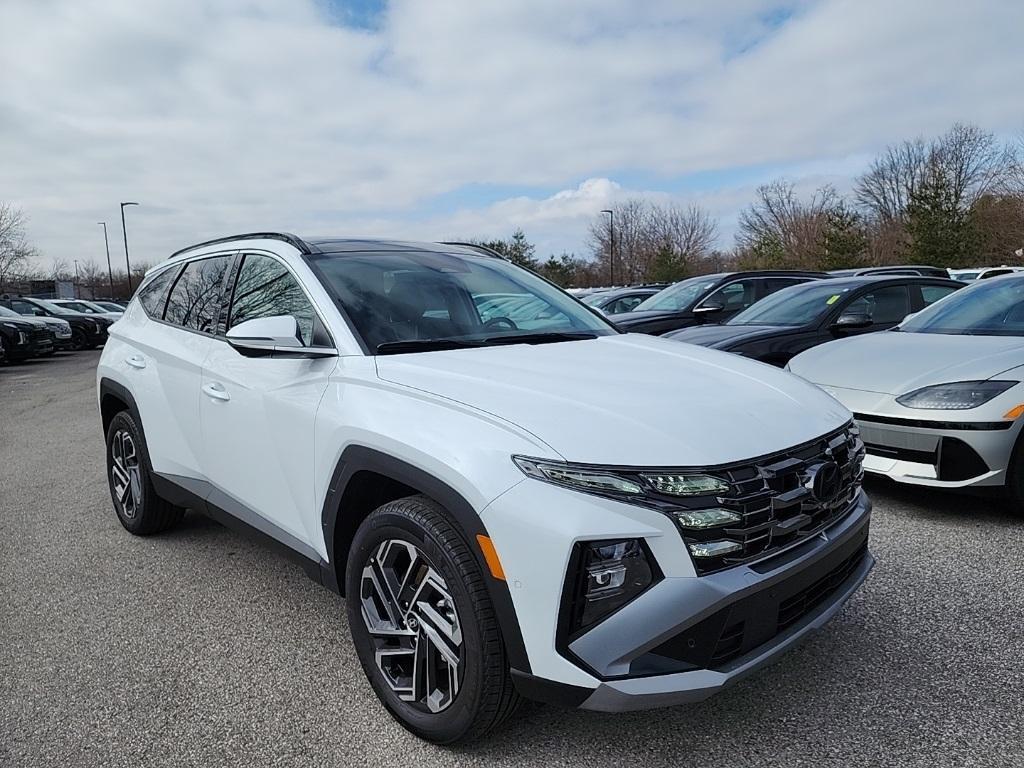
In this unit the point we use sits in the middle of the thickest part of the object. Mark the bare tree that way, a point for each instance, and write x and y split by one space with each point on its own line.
886 188
780 229
15 251
653 241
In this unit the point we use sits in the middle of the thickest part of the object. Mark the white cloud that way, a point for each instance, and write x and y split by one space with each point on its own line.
256 114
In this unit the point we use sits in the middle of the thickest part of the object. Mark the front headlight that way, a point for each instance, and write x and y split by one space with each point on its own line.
955 396
623 482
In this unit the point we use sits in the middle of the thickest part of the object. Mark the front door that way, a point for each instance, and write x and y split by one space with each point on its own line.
257 413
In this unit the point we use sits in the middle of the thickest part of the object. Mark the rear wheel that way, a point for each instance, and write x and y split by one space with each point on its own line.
78 340
138 507
424 626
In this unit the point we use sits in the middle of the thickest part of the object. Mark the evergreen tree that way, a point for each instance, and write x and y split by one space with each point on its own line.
941 231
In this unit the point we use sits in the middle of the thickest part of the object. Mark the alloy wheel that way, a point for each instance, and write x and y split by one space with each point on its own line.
125 473
414 626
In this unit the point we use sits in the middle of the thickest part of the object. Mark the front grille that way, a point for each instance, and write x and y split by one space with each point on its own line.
779 501
40 336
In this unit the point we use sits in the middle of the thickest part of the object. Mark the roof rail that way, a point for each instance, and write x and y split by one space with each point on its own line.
283 236
475 246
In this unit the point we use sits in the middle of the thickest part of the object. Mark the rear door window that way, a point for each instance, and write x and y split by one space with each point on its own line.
194 301
932 293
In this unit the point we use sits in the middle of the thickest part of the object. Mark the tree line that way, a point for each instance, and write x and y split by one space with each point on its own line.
956 200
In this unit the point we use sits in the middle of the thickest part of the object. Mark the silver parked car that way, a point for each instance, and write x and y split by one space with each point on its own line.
939 398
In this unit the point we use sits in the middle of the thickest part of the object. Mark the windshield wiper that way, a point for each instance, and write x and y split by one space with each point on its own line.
431 345
425 345
539 338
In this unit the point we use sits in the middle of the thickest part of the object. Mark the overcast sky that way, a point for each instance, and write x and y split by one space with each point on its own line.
437 119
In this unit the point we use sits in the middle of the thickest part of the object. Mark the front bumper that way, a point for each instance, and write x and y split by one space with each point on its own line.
613 666
941 454
775 609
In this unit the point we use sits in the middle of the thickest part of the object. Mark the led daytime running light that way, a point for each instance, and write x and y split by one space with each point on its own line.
686 485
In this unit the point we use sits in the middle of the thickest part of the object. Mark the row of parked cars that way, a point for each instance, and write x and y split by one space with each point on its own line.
938 399
31 327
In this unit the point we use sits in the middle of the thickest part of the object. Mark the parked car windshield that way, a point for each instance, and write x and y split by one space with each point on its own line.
987 308
409 301
57 309
797 305
678 297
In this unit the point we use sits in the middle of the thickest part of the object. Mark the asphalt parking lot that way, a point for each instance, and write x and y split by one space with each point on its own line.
200 648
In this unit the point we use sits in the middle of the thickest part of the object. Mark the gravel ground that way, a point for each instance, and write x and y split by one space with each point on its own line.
200 648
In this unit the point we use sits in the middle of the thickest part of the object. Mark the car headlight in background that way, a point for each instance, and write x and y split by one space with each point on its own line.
955 396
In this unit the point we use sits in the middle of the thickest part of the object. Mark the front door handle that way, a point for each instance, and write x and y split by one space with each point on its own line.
136 361
216 391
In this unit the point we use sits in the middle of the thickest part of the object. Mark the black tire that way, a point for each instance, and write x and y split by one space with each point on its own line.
145 513
78 340
486 695
1015 478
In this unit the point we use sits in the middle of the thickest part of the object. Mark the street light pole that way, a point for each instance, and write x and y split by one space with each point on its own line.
126 261
611 246
110 270
78 280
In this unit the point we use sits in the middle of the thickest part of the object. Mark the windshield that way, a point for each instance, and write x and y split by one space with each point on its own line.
678 297
107 306
57 309
5 312
408 299
77 306
593 299
986 308
797 305
966 276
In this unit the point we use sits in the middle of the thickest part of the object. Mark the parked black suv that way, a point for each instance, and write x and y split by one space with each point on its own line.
706 299
22 339
87 331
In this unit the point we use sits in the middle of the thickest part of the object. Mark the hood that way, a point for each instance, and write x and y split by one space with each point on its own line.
627 319
895 363
629 399
725 336
21 323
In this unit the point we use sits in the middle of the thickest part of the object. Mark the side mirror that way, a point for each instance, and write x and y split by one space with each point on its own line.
276 336
709 307
849 321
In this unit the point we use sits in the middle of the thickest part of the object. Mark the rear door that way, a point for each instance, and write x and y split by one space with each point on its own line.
161 355
258 412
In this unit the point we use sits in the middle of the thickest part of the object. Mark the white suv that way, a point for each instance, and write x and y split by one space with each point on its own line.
517 499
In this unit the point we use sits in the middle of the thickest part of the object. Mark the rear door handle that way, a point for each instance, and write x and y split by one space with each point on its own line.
216 391
136 361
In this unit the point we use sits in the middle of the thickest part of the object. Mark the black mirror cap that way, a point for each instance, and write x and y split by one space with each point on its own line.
849 321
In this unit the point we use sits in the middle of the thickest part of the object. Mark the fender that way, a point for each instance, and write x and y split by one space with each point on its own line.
110 387
357 458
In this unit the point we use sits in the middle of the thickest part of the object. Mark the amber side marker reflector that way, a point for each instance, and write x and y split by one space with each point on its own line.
1013 413
491 556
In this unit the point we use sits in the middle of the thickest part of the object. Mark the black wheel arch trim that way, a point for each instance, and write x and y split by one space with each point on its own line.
357 458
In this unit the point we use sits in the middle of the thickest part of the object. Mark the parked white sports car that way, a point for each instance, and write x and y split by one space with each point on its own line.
939 398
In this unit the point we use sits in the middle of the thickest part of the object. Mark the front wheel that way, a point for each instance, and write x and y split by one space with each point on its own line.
423 624
79 341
